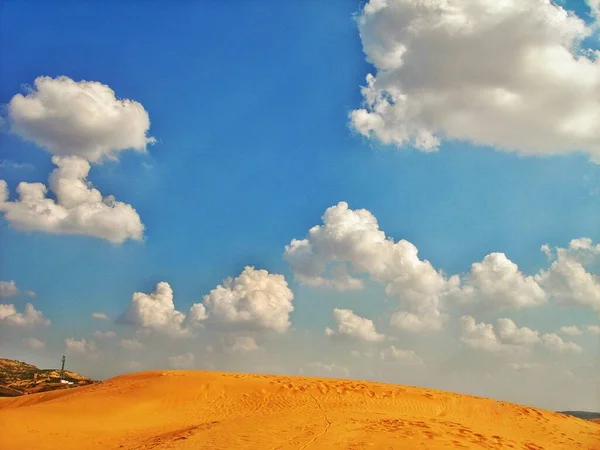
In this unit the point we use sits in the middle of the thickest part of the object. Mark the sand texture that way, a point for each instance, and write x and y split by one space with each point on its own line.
212 410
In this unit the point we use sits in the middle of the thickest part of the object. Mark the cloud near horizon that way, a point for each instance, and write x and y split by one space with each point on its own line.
511 75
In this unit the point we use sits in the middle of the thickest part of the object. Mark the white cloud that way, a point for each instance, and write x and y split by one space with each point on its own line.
185 361
351 242
496 284
255 299
479 335
353 237
80 346
131 344
155 311
567 281
572 330
104 335
593 329
8 289
507 337
99 315
34 344
83 119
511 334
78 209
353 326
240 344
555 343
397 354
505 74
31 317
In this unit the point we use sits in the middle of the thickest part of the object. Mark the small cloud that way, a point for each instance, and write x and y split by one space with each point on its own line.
34 344
80 346
131 344
99 315
101 335
240 344
12 165
570 330
593 329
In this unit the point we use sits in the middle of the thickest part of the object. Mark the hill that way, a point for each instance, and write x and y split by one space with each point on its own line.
194 409
18 378
586 415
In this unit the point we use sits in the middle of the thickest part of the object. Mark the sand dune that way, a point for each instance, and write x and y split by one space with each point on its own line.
194 410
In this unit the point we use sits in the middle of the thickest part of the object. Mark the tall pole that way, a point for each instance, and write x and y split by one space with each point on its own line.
62 369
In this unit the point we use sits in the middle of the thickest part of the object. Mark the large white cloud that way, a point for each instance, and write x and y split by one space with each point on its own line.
256 299
78 209
84 119
155 311
353 326
353 237
349 245
506 74
30 318
567 280
496 284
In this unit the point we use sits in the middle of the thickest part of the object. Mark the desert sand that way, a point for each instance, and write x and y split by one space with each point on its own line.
213 410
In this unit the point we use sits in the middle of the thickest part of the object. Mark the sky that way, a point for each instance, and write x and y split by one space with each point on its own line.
383 190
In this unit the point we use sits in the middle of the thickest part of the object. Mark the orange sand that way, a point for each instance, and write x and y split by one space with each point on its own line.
198 410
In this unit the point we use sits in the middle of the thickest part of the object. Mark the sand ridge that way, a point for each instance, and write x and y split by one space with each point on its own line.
197 409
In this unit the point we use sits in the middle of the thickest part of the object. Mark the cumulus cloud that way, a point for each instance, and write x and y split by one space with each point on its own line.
555 343
34 344
503 74
155 311
131 344
240 344
185 361
593 329
78 209
351 241
99 315
510 333
396 354
8 289
506 337
83 119
496 284
80 346
567 280
572 330
353 237
104 335
353 326
30 318
255 299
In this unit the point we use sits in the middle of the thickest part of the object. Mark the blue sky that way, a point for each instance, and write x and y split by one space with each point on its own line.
249 103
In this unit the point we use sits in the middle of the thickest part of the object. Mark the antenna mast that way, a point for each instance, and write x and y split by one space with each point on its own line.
62 369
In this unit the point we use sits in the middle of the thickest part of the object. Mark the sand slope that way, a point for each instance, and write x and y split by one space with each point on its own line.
194 410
